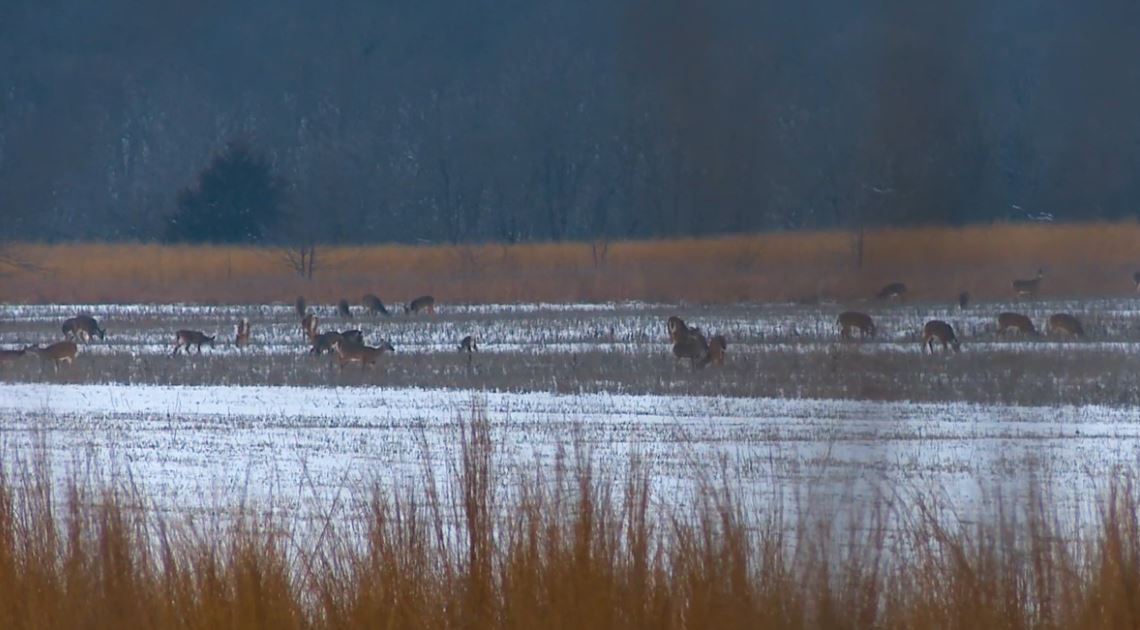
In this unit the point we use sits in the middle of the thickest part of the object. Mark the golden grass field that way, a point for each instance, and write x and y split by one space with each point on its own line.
936 263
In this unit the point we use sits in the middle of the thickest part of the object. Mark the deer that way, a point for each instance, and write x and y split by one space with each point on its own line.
82 328
309 326
343 309
367 355
241 339
183 339
422 303
58 352
963 300
1028 288
940 330
1065 323
893 291
1018 322
11 356
468 344
854 319
300 306
1136 279
325 342
374 305
678 329
693 346
717 347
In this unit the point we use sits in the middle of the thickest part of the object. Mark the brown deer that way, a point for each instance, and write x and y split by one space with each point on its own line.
940 330
1065 323
717 347
59 352
300 306
309 326
894 290
183 339
343 309
10 356
854 319
1017 321
367 355
422 303
1136 279
82 328
241 339
374 305
963 300
692 346
325 342
677 328
468 345
1028 288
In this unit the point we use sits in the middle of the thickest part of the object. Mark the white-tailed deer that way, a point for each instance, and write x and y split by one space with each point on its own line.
1028 288
299 305
677 328
241 339
943 332
309 326
1017 321
963 300
468 345
374 305
326 341
59 352
1136 279
1065 323
692 346
423 303
82 328
894 290
343 309
366 355
8 356
854 319
183 339
718 344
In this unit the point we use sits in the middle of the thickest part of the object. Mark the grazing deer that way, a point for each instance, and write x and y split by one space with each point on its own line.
940 330
300 306
183 339
324 342
422 303
309 326
854 319
1028 288
963 300
82 328
343 309
9 356
892 291
692 346
59 352
367 355
677 328
1136 279
1016 321
467 344
1065 323
717 347
241 339
374 305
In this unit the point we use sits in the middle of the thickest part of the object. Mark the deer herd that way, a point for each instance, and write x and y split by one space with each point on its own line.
688 342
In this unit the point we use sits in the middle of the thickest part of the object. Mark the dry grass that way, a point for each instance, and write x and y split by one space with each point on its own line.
563 552
937 263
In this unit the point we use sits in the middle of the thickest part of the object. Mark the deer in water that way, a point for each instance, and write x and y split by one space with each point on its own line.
717 347
59 352
892 291
854 319
241 339
1065 323
374 305
1028 288
343 309
943 332
183 339
422 303
367 355
1018 322
82 328
468 345
309 326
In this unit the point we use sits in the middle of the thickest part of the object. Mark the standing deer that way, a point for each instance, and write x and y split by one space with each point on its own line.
854 319
1136 279
241 339
940 330
422 303
717 347
309 326
59 352
374 305
82 328
183 339
963 300
1065 323
326 341
677 328
348 352
1016 321
468 345
10 356
299 305
692 346
892 291
343 309
1028 288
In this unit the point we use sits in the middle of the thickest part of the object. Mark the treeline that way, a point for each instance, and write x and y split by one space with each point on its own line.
563 119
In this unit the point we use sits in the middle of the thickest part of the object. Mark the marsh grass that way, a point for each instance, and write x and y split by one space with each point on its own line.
488 548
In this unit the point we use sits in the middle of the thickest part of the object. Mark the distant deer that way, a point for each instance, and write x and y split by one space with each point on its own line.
1028 288
468 345
963 300
1136 279
677 328
940 330
892 291
692 346
1017 321
374 305
309 325
183 339
241 339
343 309
348 352
717 347
9 356
300 306
82 328
59 352
1065 323
422 303
854 319
326 341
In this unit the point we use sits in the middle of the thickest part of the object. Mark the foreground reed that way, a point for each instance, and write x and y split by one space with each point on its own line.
481 550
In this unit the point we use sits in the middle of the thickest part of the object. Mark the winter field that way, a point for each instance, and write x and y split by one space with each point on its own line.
797 419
